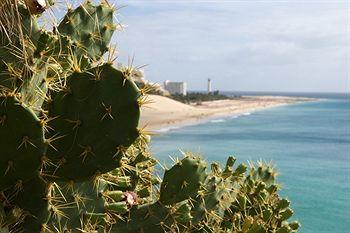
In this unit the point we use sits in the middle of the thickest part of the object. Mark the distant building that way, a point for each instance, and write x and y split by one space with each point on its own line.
176 87
209 85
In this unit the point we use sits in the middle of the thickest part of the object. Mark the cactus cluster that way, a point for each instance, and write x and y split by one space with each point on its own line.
194 199
72 158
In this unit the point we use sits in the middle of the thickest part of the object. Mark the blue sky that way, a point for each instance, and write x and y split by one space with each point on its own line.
240 45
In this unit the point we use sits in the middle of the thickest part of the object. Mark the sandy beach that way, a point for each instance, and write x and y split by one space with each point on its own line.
163 112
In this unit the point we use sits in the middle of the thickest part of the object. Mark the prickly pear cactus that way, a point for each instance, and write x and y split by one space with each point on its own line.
218 204
72 158
66 118
258 206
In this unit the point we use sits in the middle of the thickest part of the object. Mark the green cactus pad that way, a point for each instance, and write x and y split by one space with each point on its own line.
151 218
22 142
183 180
217 192
90 28
32 199
75 204
183 214
97 116
60 49
209 199
265 173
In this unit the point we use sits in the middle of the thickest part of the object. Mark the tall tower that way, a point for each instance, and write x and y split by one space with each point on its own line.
209 85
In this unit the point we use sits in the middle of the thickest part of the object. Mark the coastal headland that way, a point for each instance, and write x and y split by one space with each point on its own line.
161 112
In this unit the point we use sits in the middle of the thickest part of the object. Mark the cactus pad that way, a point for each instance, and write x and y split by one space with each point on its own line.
97 117
76 204
150 218
183 180
22 142
33 201
90 28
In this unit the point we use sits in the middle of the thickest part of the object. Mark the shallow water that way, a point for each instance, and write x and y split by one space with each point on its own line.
309 143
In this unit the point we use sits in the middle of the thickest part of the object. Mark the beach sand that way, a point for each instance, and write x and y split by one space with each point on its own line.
163 112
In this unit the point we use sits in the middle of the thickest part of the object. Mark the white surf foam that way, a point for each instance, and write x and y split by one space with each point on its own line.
217 120
166 129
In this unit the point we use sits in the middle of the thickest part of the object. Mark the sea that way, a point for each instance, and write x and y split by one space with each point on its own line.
309 143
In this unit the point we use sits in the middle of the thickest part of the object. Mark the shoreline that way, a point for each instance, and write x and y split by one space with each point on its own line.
163 114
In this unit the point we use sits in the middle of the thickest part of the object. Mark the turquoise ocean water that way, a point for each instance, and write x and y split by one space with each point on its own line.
309 143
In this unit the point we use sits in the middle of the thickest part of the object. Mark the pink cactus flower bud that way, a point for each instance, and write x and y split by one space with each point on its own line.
131 198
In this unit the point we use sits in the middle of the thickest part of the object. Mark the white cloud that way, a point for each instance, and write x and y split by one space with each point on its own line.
287 46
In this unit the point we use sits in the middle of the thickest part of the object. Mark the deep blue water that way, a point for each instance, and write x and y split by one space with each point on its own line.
309 143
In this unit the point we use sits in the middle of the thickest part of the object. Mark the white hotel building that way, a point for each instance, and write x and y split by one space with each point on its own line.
176 87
